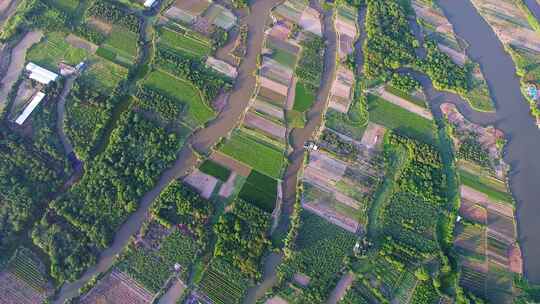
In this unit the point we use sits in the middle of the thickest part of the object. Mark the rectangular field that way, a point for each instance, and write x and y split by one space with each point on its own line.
260 190
186 41
255 153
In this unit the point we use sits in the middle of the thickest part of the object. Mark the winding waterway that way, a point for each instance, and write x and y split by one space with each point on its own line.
201 141
512 117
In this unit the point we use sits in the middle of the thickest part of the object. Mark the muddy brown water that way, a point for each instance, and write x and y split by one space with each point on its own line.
512 117
201 141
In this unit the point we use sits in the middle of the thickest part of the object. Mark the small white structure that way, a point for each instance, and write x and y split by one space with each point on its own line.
40 74
149 3
30 108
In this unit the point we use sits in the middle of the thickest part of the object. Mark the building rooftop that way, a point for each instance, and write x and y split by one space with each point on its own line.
30 108
40 74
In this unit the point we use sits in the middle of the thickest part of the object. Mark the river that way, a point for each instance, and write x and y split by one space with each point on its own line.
201 141
534 6
512 117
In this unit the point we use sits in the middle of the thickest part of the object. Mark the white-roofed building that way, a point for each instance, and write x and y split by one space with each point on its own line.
40 74
149 3
30 108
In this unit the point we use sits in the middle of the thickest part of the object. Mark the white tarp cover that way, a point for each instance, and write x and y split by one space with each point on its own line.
30 108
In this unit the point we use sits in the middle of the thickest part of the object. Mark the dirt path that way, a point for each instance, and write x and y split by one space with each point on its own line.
341 288
16 64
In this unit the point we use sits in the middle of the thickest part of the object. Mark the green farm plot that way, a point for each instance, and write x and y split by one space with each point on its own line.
124 42
198 112
152 268
255 153
320 250
295 119
186 41
223 283
304 97
400 120
216 170
486 186
260 190
341 123
283 56
66 5
105 75
53 49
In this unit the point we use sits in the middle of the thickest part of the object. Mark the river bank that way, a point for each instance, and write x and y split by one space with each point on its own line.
512 117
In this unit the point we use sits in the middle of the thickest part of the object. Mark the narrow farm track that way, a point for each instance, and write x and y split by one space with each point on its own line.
201 141
61 111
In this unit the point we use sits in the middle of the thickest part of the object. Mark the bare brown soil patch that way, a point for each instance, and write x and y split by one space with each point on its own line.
100 25
13 290
117 288
204 183
266 126
473 212
373 135
81 43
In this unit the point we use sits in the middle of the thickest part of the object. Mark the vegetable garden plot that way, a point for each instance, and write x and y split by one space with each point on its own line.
502 224
342 90
471 237
274 70
230 163
268 109
185 40
222 67
291 10
117 287
272 96
494 189
204 183
499 284
53 49
223 284
473 195
267 127
310 21
273 86
29 269
255 153
473 212
345 24
193 7
215 169
261 191
474 276
13 290
220 16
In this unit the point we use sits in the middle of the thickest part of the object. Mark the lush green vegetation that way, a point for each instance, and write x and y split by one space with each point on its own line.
186 41
168 109
209 82
223 283
138 151
260 190
470 149
123 42
311 63
255 153
53 49
404 82
152 268
198 111
180 205
319 251
216 170
474 182
400 120
304 97
114 13
242 237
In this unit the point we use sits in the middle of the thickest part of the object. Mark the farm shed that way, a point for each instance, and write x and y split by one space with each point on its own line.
40 74
30 108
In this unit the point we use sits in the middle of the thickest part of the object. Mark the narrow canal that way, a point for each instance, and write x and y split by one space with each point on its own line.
201 141
512 117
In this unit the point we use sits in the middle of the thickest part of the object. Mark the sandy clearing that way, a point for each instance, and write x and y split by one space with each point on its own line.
18 55
482 199
228 187
267 108
230 163
274 85
405 104
332 216
373 135
255 121
100 25
341 288
276 300
204 183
